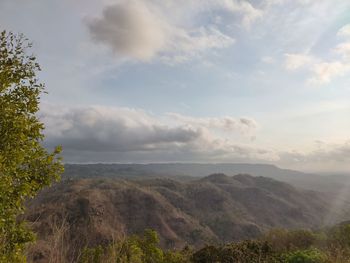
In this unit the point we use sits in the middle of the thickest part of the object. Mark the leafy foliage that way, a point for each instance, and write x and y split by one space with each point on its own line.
25 166
277 246
283 240
307 256
337 244
244 252
135 249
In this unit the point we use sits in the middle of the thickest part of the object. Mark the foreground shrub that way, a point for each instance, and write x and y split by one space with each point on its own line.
242 252
338 243
135 249
278 246
284 240
307 256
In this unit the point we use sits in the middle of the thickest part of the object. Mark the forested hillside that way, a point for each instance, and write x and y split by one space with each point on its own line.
210 210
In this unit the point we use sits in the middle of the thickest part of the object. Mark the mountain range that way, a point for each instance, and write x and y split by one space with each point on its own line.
183 171
183 210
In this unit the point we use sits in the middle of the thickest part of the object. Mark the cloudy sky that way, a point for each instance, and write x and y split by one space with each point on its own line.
264 81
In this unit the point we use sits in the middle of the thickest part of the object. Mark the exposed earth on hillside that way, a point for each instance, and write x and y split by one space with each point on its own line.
214 209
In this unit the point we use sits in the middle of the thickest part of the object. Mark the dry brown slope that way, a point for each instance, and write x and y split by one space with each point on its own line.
213 209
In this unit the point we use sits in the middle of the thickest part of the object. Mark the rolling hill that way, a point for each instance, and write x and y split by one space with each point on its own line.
186 171
213 209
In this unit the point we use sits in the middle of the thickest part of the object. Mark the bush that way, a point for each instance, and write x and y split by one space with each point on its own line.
307 256
243 252
340 236
284 247
283 240
338 243
134 249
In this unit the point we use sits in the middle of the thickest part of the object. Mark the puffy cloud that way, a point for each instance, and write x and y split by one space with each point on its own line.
131 133
111 129
131 29
144 30
109 134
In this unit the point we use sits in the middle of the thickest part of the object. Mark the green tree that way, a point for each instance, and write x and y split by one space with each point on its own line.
135 249
286 240
307 256
249 251
25 165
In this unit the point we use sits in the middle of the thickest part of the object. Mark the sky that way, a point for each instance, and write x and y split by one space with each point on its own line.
260 81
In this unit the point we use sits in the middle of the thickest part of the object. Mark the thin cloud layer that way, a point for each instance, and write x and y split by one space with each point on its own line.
331 157
322 70
344 31
297 61
227 124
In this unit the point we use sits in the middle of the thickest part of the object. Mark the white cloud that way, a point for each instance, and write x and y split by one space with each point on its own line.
131 29
249 13
279 2
243 9
185 45
97 128
343 49
344 31
333 157
201 39
323 70
141 30
110 134
296 61
133 132
270 3
226 124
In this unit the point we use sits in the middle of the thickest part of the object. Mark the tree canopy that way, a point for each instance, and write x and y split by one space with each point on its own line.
25 165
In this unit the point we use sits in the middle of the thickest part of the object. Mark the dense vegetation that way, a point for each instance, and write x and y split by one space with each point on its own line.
213 209
217 209
277 246
25 166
